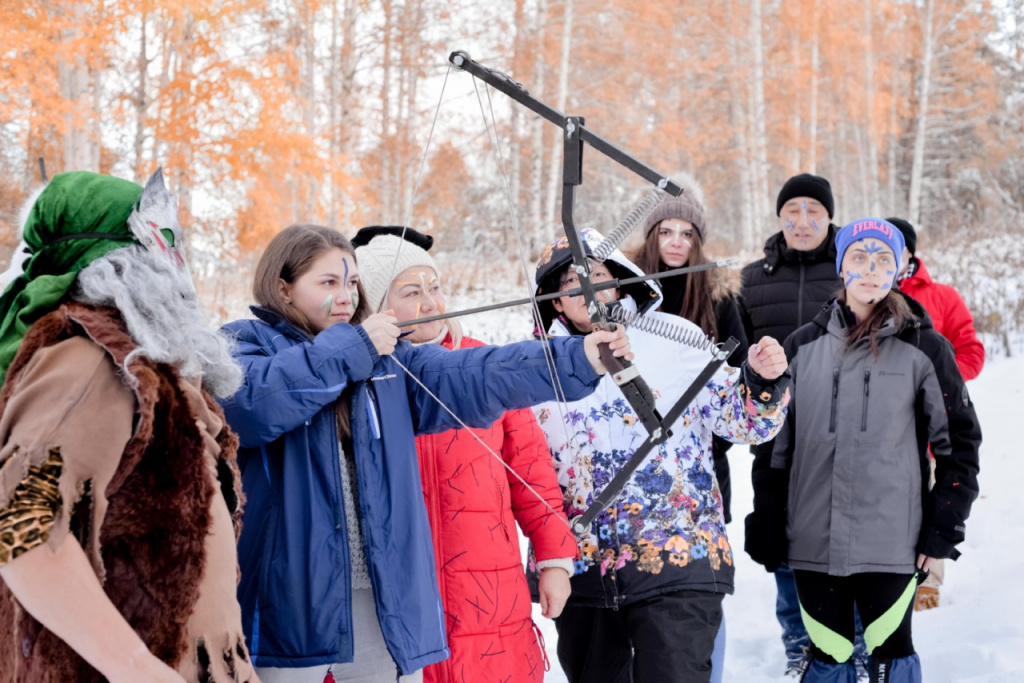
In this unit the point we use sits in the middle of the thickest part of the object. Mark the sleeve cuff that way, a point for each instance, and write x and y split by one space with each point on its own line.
766 391
565 563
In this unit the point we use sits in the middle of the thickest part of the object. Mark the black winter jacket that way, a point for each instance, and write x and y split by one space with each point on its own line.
730 324
787 288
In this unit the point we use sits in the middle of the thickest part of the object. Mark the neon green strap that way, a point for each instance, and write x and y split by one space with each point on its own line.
825 639
878 631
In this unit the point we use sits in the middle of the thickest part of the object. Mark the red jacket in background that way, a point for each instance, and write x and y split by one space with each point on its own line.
473 504
950 316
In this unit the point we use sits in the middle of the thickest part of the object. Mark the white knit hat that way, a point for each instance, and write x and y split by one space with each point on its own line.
382 260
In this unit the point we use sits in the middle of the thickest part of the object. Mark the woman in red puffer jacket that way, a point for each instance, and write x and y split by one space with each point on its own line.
474 500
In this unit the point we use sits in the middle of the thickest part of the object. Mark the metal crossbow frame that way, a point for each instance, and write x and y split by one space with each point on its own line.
625 374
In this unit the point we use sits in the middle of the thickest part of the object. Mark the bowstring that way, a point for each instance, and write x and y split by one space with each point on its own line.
492 124
417 179
548 353
557 513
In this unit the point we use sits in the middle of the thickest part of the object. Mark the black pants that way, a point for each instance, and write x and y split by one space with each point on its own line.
665 639
829 601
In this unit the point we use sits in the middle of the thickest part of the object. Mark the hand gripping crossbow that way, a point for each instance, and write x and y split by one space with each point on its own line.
602 316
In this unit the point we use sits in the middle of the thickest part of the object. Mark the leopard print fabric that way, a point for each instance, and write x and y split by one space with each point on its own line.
26 521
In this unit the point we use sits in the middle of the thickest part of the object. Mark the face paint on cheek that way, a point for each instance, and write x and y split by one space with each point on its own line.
355 299
851 276
789 224
326 306
814 224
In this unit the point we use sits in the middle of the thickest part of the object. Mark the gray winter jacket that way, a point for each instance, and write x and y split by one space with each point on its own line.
856 443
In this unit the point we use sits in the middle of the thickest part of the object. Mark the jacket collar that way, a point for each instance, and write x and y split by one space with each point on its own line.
280 323
776 251
836 318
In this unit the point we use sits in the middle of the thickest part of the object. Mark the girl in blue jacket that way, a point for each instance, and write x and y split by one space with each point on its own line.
335 552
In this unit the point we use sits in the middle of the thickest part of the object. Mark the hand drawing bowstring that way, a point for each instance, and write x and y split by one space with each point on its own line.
626 376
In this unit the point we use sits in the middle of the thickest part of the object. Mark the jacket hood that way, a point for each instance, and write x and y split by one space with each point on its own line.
836 317
920 276
776 251
557 254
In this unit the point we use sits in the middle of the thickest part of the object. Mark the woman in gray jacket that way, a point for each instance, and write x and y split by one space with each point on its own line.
873 385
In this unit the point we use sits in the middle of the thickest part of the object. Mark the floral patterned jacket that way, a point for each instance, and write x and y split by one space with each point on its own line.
665 532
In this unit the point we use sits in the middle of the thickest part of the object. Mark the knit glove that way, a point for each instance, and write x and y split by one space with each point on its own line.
765 528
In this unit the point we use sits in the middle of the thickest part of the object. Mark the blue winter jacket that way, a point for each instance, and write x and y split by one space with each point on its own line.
295 590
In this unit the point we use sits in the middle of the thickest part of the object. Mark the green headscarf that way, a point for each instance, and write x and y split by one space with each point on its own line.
93 207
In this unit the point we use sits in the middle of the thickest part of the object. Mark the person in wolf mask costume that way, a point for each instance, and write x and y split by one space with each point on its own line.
119 494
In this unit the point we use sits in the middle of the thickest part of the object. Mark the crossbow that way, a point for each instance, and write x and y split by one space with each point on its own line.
624 373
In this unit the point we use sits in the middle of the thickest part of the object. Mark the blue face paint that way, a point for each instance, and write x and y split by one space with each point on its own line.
803 207
889 286
850 277
814 224
789 224
873 247
872 266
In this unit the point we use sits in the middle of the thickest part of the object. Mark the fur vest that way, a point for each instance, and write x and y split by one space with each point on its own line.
158 511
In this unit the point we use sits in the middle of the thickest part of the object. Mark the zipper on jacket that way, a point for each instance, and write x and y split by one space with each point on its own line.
800 298
371 411
835 400
339 503
864 409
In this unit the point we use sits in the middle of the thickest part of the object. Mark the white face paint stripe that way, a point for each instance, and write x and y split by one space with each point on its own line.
327 305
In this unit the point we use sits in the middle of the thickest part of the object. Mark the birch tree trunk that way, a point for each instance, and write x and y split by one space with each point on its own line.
812 142
310 183
538 229
184 104
748 223
921 129
873 193
386 159
796 158
333 106
893 136
555 178
761 200
515 138
79 150
140 101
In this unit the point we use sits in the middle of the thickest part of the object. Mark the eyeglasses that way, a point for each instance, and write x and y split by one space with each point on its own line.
571 280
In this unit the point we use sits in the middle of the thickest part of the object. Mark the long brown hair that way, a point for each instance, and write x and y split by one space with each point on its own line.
893 307
288 257
698 303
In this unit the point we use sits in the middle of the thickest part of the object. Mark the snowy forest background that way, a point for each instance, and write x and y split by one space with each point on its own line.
268 113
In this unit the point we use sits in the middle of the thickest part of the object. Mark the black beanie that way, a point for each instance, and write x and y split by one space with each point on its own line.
806 185
909 234
365 235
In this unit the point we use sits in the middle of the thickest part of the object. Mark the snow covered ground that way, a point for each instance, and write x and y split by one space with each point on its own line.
977 634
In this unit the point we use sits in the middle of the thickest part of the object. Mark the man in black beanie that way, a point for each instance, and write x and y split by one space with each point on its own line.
778 294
